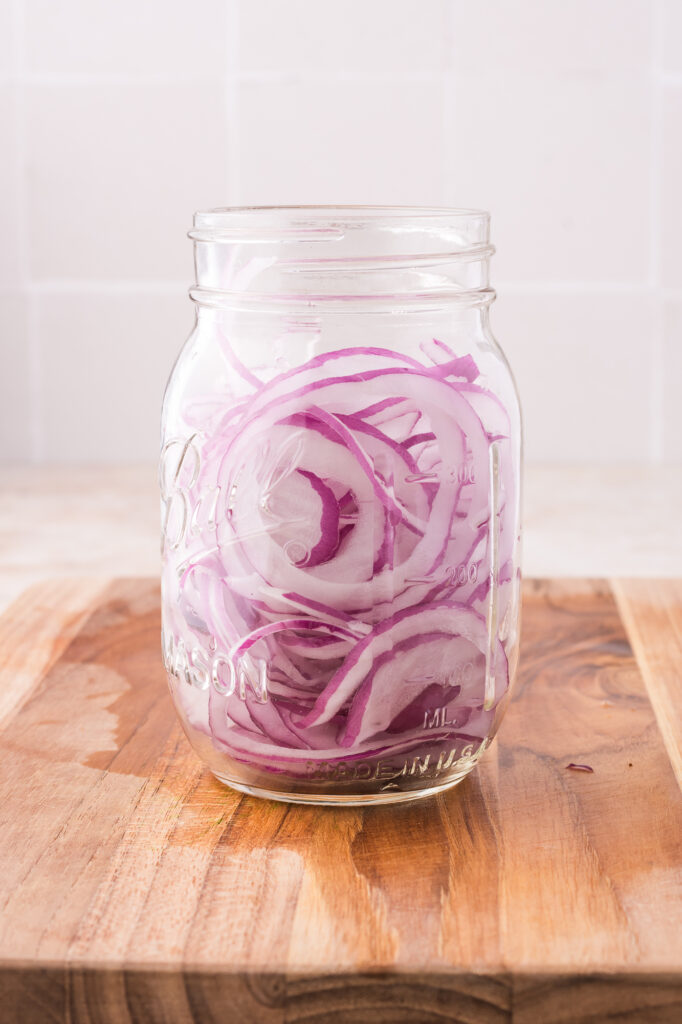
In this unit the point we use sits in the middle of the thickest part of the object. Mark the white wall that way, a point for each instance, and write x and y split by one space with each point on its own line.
119 119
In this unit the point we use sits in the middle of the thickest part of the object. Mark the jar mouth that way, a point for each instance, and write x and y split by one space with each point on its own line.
318 254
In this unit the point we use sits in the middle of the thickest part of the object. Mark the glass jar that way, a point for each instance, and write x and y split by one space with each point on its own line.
340 471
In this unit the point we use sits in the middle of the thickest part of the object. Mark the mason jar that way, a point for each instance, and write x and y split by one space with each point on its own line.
340 469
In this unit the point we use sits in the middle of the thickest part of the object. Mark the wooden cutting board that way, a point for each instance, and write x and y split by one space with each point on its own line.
135 888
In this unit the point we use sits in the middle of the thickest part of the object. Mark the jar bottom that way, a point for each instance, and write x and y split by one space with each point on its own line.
340 799
418 775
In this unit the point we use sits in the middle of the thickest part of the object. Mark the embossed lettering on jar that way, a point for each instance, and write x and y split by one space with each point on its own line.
340 471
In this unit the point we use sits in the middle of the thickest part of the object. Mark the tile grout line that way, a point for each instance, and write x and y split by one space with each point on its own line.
316 76
447 122
103 286
15 79
584 287
232 112
85 78
449 108
100 285
657 396
56 79
68 79
34 383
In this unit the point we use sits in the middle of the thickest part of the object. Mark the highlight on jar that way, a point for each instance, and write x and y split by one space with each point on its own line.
340 477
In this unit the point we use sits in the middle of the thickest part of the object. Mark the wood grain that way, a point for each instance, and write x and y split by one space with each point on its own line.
33 636
135 888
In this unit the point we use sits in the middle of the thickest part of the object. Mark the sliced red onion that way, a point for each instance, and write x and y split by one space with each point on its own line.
350 563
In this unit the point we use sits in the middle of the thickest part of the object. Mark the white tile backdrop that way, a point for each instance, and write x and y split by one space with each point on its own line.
117 120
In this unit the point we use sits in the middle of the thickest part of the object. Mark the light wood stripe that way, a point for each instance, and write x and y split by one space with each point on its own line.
652 613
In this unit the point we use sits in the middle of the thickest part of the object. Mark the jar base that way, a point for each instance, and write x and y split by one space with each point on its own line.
339 799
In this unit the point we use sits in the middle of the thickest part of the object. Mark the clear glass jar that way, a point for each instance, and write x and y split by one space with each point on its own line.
340 472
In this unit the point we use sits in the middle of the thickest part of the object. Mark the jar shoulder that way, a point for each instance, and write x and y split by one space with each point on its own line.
225 363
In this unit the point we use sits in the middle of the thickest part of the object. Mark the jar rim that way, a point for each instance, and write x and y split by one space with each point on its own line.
260 223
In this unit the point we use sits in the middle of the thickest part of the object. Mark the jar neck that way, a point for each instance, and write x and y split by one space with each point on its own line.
341 256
